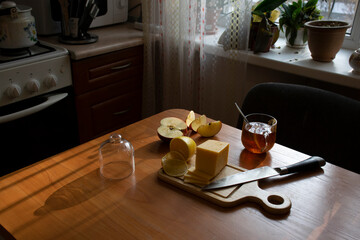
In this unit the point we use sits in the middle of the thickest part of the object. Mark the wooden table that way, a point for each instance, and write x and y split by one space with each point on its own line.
64 197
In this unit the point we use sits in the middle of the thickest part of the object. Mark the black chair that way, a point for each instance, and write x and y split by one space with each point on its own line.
311 120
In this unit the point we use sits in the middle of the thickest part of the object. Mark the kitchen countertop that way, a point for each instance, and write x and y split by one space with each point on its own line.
111 38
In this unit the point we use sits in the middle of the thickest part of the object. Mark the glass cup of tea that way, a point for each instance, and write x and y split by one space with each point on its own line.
259 135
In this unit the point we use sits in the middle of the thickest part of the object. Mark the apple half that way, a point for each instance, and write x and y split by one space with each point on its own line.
190 118
197 123
210 129
171 127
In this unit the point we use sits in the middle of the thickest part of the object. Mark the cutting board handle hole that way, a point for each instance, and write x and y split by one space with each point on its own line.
277 200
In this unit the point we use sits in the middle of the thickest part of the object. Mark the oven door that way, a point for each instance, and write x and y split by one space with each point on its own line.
37 128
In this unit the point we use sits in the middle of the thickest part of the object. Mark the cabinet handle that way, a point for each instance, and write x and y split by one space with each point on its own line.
121 67
121 112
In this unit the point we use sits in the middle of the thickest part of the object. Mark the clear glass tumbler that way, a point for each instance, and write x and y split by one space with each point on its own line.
116 156
259 135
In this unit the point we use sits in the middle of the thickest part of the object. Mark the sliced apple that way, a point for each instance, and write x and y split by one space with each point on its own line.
198 122
171 127
190 117
210 129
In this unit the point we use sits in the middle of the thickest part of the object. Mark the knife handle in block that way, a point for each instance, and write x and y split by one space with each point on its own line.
311 163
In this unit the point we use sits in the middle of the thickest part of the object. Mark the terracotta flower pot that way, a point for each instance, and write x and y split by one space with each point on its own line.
325 38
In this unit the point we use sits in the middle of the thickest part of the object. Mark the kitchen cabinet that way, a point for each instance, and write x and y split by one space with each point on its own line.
108 91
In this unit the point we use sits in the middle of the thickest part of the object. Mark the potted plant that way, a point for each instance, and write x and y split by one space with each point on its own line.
264 29
325 38
292 19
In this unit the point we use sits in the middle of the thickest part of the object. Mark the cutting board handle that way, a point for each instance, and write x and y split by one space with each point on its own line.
274 203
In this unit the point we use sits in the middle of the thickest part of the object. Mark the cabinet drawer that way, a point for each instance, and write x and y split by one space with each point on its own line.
116 113
108 108
99 71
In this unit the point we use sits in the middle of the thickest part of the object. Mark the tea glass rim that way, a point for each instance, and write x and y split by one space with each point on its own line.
263 114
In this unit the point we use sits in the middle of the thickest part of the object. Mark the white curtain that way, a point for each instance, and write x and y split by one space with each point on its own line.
191 63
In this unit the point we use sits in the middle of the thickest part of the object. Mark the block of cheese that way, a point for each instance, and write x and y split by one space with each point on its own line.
196 181
211 157
196 173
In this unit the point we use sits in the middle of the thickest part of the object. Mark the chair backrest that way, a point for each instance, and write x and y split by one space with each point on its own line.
311 120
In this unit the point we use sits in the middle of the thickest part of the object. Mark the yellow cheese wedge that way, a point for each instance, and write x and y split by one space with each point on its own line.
211 157
201 175
194 177
196 181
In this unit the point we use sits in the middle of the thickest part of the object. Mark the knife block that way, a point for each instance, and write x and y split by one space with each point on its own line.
77 36
74 25
86 38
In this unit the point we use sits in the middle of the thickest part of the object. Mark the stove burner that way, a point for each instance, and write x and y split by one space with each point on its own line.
8 55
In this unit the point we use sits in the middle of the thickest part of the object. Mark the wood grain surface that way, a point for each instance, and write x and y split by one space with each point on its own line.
231 196
64 197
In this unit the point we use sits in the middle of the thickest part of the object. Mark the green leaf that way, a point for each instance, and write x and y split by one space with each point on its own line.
293 35
286 10
258 13
295 15
310 4
268 5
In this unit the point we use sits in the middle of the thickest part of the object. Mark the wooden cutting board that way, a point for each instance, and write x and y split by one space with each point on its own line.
274 203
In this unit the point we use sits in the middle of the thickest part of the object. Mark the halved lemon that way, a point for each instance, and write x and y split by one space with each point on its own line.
184 145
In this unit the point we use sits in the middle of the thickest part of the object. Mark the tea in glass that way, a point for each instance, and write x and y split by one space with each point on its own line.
259 135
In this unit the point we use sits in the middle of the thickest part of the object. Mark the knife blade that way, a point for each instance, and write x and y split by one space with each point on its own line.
311 163
86 11
92 14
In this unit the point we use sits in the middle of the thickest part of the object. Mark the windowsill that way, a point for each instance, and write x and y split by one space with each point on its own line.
297 61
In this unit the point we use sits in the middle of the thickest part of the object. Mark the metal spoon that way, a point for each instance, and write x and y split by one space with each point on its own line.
242 114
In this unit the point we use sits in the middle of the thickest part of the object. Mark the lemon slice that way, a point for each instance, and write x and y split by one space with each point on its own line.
174 164
172 155
184 145
260 142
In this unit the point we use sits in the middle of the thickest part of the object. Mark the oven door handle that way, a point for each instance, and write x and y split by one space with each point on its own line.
23 113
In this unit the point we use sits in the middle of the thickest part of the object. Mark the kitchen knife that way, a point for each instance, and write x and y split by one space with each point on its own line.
86 13
311 163
64 4
87 22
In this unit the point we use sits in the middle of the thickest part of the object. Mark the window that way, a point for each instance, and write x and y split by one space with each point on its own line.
344 10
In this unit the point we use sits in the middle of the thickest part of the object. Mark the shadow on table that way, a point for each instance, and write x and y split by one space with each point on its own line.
249 160
74 193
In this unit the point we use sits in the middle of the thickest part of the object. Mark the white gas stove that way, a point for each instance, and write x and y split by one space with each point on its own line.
27 73
37 105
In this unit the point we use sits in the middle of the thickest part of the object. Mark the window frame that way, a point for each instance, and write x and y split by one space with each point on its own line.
353 41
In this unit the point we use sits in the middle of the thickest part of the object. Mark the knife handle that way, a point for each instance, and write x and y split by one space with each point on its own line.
311 163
